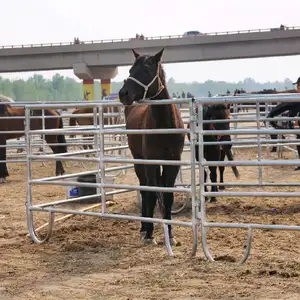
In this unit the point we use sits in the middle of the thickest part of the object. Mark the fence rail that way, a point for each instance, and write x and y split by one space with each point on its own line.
121 40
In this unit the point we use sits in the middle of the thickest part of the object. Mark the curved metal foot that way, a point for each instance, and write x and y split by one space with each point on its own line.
204 243
181 208
246 253
33 234
195 239
248 246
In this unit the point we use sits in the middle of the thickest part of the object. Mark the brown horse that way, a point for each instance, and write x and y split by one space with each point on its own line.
147 81
86 121
216 152
6 110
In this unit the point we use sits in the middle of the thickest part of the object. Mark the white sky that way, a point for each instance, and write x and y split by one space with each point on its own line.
38 21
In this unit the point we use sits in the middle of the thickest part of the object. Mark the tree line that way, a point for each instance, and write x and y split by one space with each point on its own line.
60 88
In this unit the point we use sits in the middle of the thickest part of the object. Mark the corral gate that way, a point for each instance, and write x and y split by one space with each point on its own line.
198 217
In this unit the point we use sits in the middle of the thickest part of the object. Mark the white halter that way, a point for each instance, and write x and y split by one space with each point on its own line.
146 87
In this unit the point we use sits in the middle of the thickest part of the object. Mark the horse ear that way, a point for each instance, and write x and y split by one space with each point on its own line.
136 55
157 56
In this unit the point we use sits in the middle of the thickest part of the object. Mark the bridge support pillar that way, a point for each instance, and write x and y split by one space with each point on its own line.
88 74
88 89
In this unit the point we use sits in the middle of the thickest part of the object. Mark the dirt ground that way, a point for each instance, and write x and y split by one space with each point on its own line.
94 258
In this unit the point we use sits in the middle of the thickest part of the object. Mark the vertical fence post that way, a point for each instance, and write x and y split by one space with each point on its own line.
195 205
101 157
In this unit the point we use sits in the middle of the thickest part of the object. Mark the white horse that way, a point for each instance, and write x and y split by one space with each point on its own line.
5 99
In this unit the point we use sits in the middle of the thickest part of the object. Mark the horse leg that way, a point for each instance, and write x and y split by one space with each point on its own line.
213 179
150 200
274 137
59 168
168 180
140 173
222 169
3 166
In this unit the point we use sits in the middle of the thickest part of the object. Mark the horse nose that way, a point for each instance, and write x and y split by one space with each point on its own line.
123 93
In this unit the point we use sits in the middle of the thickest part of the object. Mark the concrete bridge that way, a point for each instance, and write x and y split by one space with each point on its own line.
100 59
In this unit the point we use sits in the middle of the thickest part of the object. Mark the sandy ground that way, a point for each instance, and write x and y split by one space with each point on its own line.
94 258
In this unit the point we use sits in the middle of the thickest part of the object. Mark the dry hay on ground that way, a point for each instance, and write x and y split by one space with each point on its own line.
93 258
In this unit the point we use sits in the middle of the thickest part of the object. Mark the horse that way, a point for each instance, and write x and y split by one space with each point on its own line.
6 110
262 109
216 152
4 98
86 121
293 109
147 81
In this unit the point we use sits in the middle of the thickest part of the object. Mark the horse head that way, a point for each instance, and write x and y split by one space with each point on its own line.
146 79
217 112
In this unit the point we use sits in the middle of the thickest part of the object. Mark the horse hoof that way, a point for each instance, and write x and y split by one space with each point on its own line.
3 180
212 200
149 241
142 234
298 168
222 188
174 242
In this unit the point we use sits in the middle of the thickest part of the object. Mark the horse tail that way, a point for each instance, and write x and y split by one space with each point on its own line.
61 138
230 158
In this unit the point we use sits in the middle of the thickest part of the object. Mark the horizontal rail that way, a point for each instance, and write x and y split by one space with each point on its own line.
107 185
58 202
67 156
251 194
122 40
111 216
246 184
252 163
108 131
254 226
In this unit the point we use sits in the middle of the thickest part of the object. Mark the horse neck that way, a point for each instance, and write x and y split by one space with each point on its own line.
15 111
164 115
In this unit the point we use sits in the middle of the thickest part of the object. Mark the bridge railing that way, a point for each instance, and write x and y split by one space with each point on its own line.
55 44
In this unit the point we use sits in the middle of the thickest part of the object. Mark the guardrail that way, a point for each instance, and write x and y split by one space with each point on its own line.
145 38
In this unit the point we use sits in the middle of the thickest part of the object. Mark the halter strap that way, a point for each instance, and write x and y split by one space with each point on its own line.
146 87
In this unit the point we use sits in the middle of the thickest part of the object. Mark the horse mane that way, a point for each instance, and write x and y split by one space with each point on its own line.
4 98
266 91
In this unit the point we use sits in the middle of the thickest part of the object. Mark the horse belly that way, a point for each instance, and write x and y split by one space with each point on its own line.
168 147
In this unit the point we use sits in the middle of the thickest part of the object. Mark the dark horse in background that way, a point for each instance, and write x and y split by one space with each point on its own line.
147 81
216 152
6 110
262 109
293 109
